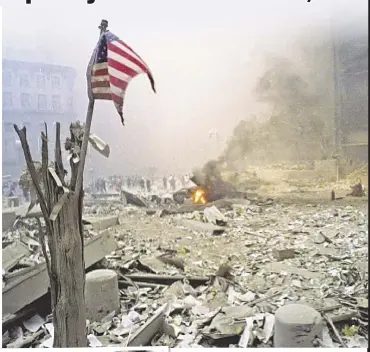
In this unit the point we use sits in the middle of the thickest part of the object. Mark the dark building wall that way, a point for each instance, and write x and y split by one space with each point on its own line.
352 72
33 94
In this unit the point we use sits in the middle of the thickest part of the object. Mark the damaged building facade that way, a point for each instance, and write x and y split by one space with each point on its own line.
351 71
33 93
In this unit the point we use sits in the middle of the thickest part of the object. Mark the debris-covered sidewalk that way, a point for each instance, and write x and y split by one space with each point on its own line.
216 276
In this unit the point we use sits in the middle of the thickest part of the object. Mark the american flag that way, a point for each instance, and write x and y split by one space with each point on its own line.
113 65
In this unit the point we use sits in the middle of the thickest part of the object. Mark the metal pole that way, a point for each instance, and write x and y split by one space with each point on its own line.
90 109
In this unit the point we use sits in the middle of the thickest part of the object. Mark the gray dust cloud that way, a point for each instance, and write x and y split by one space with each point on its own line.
248 81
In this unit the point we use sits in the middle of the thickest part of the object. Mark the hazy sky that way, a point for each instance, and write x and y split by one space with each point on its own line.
204 55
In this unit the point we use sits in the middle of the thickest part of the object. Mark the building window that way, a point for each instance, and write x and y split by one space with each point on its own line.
55 82
42 103
70 104
25 101
40 82
24 80
7 78
56 103
7 100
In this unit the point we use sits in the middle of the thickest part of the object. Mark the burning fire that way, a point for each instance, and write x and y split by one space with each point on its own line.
199 196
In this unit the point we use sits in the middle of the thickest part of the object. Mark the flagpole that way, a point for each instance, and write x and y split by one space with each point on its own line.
90 109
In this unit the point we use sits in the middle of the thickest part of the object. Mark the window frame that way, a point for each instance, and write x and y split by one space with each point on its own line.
9 94
10 83
29 100
38 76
58 102
46 102
22 76
53 84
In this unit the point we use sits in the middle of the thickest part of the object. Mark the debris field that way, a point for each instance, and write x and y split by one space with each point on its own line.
210 275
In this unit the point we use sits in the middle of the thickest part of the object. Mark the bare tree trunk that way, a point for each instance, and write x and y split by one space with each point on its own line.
62 212
67 287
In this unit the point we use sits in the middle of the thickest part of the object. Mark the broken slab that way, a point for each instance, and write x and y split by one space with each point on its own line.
25 288
168 279
98 247
145 334
276 267
102 223
133 199
214 216
9 217
152 264
202 226
35 212
13 253
23 210
282 254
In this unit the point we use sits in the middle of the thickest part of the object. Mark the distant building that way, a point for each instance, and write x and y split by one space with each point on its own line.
33 93
352 64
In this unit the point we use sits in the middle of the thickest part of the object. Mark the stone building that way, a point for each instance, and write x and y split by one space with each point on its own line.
33 93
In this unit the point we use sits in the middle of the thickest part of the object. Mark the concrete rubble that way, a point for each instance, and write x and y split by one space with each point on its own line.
101 293
210 275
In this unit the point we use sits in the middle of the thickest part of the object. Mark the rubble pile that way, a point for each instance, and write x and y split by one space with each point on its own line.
108 209
214 275
23 238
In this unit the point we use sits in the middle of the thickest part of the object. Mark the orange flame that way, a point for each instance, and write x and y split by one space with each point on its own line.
199 196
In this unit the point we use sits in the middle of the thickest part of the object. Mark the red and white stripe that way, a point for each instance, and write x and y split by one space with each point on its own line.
109 80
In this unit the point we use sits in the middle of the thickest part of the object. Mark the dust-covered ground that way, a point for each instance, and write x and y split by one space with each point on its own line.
299 247
220 285
248 226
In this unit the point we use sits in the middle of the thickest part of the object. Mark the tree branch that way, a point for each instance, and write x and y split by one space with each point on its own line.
59 168
85 142
43 247
35 179
75 146
45 166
